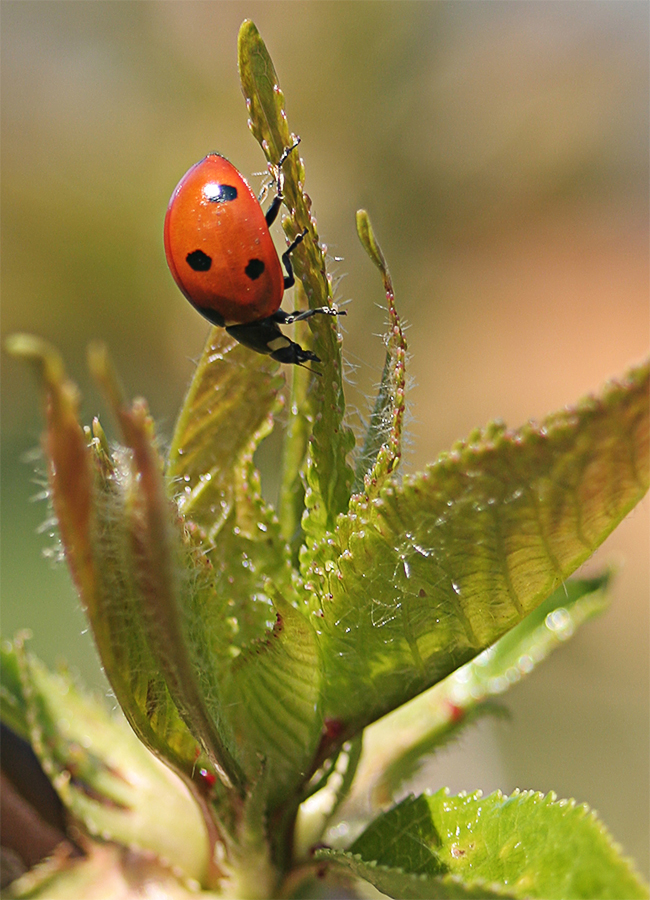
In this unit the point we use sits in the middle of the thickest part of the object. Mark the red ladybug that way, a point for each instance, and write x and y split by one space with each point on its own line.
220 251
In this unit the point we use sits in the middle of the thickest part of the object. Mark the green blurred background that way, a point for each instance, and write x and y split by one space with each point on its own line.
502 151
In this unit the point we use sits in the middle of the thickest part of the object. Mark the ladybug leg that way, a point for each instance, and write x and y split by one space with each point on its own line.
299 315
293 353
287 151
289 279
273 210
264 336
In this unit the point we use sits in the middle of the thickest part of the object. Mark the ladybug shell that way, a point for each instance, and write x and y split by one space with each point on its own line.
218 245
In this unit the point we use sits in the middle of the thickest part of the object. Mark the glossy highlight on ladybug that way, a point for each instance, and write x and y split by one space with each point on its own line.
220 251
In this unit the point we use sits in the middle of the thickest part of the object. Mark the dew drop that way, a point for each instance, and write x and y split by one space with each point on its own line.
526 664
498 685
560 623
513 675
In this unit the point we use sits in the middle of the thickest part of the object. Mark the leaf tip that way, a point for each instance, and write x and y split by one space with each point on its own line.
247 31
104 373
36 350
369 241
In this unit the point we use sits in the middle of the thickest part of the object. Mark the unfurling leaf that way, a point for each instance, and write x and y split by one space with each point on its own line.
428 575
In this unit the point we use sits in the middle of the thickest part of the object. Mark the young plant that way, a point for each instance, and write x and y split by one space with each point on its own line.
268 658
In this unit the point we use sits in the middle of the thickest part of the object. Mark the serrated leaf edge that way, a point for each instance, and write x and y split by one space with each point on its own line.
328 854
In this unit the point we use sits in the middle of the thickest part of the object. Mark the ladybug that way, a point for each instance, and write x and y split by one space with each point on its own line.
220 251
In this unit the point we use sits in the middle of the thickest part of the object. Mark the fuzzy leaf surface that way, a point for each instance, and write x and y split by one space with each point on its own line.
422 579
291 502
228 407
329 477
382 447
90 490
274 691
205 610
159 555
395 882
255 664
524 845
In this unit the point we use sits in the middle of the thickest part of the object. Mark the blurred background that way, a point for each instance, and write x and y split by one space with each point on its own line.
502 151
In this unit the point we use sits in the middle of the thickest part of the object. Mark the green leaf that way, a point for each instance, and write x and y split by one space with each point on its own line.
228 409
329 476
13 705
393 747
525 845
291 504
329 790
254 655
119 621
274 690
407 886
405 838
432 572
521 650
264 99
66 450
89 490
170 619
382 448
156 554
105 777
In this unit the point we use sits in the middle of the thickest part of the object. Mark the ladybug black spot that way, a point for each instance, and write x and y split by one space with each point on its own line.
254 269
199 261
